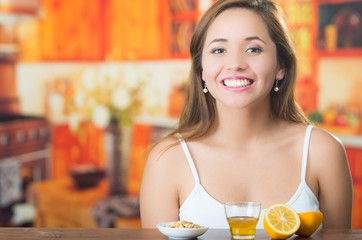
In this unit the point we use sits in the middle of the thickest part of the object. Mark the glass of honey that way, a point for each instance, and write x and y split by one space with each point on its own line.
242 218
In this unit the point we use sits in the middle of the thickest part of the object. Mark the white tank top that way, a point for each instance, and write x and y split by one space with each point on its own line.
201 208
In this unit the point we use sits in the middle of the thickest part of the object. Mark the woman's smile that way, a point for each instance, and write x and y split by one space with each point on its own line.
237 83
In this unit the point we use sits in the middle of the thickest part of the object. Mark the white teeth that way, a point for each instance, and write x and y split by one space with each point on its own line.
235 83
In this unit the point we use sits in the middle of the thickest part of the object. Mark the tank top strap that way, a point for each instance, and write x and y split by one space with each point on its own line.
189 159
306 151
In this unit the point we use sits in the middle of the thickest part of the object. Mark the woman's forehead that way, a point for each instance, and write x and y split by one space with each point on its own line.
237 22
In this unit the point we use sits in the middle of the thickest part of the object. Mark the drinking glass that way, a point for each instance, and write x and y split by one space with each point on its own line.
242 218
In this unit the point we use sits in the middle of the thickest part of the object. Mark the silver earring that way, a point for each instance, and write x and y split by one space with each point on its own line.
276 88
205 90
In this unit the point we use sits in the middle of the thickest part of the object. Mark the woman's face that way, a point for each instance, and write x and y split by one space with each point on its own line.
239 59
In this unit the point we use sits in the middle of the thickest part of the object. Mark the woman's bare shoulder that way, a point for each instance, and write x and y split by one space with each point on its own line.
329 164
160 182
323 138
326 147
166 152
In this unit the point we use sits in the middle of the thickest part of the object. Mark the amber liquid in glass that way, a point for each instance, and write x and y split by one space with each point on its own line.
242 227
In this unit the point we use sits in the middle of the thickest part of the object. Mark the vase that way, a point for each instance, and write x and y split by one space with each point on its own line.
117 145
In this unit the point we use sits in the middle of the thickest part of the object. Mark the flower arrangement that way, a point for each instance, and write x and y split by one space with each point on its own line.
104 94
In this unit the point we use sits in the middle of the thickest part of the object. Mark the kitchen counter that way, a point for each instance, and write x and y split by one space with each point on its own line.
151 234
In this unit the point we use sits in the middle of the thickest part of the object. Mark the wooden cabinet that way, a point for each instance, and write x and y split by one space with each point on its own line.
144 30
72 30
24 155
182 19
339 28
113 30
134 29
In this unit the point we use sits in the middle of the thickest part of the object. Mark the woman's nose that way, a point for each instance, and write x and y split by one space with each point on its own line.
237 61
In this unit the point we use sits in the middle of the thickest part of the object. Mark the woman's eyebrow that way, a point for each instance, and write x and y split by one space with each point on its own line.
218 40
246 39
255 38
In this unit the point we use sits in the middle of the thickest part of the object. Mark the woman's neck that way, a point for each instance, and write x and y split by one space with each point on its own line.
247 126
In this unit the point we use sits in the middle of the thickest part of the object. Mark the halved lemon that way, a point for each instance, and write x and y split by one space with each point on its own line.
281 221
309 223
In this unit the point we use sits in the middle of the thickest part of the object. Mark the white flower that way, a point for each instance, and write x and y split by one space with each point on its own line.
88 79
131 79
74 121
102 75
91 102
120 98
79 99
101 116
111 73
56 101
56 106
150 99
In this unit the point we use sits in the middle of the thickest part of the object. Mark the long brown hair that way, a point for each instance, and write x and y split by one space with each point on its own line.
199 111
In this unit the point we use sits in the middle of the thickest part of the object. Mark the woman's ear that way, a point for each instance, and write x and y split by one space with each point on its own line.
280 74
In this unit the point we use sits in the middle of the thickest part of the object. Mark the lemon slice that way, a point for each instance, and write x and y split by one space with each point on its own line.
309 223
281 221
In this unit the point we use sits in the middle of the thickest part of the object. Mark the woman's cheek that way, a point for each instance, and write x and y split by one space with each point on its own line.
211 69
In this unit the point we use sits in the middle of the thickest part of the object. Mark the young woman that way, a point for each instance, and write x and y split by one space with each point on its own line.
241 135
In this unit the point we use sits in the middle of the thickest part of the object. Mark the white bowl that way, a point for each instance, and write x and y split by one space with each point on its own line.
180 233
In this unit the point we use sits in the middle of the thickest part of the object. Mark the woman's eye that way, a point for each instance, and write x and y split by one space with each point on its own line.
254 50
218 50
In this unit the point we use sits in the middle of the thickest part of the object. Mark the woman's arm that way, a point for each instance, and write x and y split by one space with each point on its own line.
159 193
334 179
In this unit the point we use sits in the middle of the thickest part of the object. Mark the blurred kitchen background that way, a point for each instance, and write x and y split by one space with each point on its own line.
87 85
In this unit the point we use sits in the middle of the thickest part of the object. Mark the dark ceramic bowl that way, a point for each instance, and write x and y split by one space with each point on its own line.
87 178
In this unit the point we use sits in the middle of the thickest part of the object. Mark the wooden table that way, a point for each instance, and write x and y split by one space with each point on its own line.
151 234
60 204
